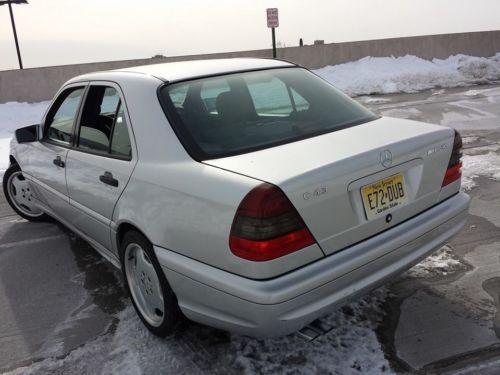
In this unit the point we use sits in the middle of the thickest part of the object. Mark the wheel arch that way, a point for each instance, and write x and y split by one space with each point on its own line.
12 160
122 229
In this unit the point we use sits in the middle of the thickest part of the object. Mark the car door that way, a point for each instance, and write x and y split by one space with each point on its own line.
46 159
100 163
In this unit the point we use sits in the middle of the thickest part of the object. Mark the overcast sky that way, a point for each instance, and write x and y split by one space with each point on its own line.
55 32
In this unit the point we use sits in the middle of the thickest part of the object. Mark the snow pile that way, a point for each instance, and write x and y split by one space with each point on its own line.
15 115
384 75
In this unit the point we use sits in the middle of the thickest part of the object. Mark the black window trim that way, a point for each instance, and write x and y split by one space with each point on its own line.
56 104
76 126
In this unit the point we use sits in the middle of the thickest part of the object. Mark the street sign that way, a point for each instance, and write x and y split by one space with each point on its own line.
272 17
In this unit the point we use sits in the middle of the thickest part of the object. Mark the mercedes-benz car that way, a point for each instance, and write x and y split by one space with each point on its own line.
245 194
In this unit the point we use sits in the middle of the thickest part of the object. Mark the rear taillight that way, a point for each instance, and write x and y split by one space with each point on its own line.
267 226
454 171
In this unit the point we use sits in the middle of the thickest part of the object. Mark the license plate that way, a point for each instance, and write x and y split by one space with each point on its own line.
384 195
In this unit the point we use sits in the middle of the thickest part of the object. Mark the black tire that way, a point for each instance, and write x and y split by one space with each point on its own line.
173 319
15 169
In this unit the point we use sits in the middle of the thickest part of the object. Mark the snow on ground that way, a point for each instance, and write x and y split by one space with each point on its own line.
351 347
469 140
14 115
441 263
480 161
487 165
384 75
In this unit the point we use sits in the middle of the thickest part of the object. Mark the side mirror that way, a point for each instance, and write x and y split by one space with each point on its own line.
27 134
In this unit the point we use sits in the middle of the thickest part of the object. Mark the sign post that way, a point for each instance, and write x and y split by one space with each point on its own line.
272 23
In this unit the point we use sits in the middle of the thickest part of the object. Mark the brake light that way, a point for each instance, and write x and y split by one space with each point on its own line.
267 226
454 171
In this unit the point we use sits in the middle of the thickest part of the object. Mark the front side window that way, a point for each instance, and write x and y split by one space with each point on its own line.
60 122
237 113
103 128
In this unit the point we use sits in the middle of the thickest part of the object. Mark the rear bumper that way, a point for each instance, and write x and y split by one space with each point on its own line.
275 307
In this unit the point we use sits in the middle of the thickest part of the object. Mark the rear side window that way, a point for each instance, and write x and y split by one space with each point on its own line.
103 127
120 140
237 113
210 91
62 116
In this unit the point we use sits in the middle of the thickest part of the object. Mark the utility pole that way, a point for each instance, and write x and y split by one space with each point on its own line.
9 3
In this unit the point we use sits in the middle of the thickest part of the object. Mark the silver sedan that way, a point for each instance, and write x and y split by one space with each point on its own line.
245 194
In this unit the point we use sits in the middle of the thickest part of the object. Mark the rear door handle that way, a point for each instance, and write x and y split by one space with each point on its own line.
108 179
58 161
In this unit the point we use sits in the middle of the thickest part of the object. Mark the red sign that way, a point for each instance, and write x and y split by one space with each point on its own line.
272 17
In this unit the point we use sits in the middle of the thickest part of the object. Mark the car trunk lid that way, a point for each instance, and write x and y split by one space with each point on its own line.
326 177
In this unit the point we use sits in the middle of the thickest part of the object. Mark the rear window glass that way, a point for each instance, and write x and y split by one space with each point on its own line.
238 113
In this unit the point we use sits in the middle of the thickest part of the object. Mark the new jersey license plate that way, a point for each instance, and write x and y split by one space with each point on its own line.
384 195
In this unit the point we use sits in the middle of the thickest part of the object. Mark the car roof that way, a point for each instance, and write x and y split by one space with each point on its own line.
181 70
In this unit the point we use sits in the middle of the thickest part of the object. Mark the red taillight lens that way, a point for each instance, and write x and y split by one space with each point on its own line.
452 174
267 226
454 171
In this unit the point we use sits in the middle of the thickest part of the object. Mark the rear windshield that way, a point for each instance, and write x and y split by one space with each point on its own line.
238 113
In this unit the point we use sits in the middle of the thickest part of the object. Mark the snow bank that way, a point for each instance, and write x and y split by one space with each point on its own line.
15 115
366 76
384 75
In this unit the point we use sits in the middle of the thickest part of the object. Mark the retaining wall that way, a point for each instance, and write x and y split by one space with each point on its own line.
37 84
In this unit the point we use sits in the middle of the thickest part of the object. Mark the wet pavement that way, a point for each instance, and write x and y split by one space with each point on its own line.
55 291
451 319
63 309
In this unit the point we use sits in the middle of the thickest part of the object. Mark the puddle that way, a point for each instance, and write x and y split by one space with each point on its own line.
410 299
385 331
100 278
451 312
95 314
492 287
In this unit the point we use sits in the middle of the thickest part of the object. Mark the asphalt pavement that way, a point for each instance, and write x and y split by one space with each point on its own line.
63 309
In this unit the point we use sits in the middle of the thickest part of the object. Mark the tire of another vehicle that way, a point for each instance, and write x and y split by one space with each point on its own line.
15 196
152 297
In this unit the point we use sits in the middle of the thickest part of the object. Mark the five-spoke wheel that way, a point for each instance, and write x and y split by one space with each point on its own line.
20 195
153 299
144 284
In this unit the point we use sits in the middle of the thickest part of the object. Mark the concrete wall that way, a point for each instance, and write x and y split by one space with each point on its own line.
39 84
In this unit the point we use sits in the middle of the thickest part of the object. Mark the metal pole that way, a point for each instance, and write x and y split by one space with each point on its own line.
274 43
15 34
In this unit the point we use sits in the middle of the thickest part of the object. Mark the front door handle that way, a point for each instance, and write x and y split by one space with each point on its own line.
58 161
108 179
